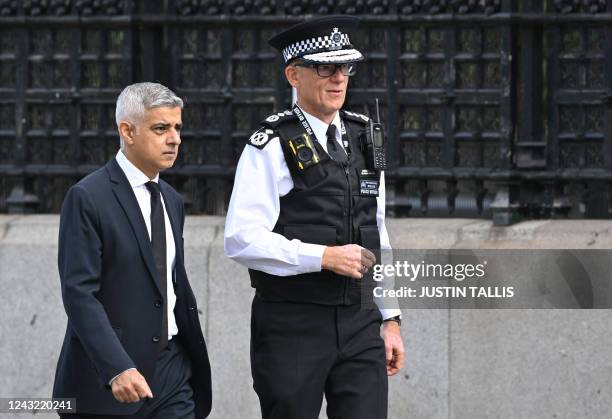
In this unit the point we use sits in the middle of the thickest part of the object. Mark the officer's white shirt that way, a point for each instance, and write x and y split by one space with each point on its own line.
262 177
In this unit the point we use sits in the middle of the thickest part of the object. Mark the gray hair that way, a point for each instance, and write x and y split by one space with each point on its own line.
136 98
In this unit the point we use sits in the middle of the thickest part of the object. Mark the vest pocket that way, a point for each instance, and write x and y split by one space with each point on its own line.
313 175
311 233
369 237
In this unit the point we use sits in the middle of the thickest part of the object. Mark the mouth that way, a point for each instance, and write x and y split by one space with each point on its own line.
169 153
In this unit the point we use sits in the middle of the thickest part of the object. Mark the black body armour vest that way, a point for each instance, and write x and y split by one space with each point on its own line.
328 206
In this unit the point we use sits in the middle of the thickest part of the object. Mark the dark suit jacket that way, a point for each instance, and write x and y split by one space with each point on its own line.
112 297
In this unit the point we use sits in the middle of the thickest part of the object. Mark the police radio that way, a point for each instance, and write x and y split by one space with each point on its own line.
303 151
375 143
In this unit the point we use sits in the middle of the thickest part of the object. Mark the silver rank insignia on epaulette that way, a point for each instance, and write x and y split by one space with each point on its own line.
261 137
357 115
276 118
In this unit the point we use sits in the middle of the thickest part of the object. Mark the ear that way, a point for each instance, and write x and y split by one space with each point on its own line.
126 131
291 72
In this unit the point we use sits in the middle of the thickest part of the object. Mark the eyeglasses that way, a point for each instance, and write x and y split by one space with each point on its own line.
328 70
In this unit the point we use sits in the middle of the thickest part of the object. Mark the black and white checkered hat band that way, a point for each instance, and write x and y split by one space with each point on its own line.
312 45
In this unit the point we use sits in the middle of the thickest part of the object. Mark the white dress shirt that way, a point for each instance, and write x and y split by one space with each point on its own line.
262 177
138 180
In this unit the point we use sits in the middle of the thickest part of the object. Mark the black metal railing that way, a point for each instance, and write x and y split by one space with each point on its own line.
494 108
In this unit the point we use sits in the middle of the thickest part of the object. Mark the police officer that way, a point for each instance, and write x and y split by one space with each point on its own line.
302 212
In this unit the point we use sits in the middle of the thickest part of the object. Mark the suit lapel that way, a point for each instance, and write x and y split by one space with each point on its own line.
125 195
174 220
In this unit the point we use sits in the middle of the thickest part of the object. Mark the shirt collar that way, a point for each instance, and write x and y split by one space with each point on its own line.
320 128
134 175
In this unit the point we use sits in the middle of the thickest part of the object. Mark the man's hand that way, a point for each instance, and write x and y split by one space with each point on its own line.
348 260
130 386
394 347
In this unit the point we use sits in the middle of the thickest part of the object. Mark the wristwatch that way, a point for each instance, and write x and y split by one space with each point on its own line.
397 319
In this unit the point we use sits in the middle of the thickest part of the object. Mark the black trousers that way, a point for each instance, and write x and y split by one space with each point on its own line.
301 351
172 393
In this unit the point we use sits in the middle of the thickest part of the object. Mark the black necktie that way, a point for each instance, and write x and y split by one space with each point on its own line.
158 242
335 152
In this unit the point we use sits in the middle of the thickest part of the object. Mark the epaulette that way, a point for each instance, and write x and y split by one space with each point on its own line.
354 116
276 119
267 132
262 137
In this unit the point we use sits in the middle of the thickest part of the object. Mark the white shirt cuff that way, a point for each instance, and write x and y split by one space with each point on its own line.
110 383
387 313
310 257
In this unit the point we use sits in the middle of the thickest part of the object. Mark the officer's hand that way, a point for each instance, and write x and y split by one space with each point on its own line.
130 386
394 347
349 260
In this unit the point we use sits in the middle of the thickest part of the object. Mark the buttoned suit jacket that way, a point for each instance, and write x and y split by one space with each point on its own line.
112 295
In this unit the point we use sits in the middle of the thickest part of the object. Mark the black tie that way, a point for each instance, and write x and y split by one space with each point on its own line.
337 153
158 242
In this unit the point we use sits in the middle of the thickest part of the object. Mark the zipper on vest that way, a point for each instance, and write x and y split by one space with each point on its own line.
350 223
350 204
349 218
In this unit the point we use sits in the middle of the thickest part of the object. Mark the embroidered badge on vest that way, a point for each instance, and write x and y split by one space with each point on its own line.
369 181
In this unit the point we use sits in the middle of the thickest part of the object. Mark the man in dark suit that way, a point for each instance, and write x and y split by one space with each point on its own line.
133 345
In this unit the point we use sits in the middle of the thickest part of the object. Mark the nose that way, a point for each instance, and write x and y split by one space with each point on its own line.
174 137
338 77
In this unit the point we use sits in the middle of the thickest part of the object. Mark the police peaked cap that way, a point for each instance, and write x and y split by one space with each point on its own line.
322 40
